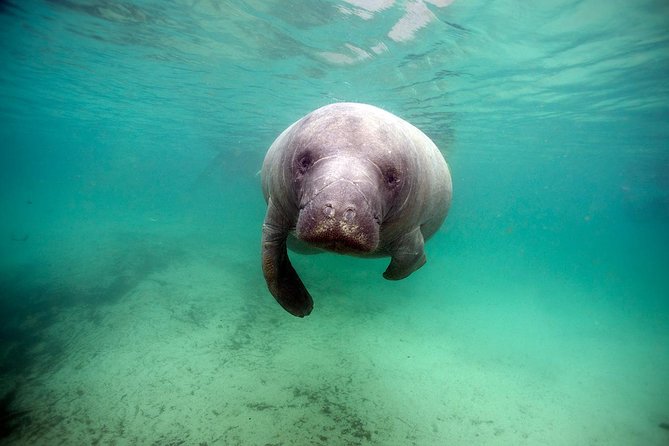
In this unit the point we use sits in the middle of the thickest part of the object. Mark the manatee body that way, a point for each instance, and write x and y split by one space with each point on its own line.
353 179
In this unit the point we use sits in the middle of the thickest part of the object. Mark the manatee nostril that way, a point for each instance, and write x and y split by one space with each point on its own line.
349 214
328 210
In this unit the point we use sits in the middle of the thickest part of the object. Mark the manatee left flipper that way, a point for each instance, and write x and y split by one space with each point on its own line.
407 254
282 279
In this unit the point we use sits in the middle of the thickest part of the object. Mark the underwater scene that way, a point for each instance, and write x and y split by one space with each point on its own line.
140 261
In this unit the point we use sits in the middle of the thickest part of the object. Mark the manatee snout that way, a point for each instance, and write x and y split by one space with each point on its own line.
340 219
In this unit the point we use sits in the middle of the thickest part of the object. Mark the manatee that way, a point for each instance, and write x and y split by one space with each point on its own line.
352 179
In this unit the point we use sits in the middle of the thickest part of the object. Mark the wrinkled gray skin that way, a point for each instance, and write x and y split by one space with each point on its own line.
352 179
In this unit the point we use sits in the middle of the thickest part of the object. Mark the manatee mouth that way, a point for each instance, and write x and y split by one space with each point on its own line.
338 236
341 222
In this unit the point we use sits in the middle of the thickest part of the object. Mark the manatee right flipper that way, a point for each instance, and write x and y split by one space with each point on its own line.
282 279
407 254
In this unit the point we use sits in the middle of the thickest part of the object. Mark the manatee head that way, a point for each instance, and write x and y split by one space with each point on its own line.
348 176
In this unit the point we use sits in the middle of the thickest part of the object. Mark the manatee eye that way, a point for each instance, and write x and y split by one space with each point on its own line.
304 162
392 177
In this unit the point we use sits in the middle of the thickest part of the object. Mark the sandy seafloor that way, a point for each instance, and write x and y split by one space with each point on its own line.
184 345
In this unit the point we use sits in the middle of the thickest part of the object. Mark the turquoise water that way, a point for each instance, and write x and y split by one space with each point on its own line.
133 308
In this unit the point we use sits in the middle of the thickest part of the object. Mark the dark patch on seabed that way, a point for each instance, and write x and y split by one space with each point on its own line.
10 418
32 301
341 424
